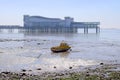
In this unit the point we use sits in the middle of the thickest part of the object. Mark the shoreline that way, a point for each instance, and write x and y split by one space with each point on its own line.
100 72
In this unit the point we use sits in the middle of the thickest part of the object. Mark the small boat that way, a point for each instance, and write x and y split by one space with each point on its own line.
62 48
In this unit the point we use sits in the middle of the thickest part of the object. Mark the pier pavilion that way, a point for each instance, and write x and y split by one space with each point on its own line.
67 24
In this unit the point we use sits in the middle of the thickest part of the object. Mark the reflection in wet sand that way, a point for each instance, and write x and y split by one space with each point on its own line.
61 54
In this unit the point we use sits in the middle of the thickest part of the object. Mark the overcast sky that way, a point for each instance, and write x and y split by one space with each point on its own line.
105 11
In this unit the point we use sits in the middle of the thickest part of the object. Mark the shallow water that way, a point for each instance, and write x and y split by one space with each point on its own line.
31 49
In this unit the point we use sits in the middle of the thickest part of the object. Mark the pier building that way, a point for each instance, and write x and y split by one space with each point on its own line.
54 24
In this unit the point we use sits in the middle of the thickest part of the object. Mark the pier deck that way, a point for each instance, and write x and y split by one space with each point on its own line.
55 29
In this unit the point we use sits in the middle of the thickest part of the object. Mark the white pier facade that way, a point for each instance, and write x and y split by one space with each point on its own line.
56 24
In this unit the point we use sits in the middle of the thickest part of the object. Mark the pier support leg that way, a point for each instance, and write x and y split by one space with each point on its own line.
85 30
74 30
0 30
97 30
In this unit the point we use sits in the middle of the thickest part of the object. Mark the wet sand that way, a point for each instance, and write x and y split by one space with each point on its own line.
32 59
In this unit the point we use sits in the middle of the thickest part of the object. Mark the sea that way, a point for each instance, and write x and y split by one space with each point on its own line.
30 49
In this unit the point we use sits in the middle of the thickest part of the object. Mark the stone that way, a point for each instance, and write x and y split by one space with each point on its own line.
23 70
70 67
101 63
54 66
39 69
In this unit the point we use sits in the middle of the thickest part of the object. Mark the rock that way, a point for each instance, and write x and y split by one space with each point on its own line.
21 47
70 67
101 63
38 43
29 70
23 74
44 40
5 72
66 73
87 74
54 66
23 70
70 49
39 69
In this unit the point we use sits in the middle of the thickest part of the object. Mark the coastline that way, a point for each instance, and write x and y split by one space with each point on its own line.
99 72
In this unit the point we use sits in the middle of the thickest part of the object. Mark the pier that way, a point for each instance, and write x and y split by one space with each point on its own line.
52 29
51 25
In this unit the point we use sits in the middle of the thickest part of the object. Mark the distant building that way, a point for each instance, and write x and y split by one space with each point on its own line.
39 21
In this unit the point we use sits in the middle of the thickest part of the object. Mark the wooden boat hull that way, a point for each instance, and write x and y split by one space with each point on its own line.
57 51
63 47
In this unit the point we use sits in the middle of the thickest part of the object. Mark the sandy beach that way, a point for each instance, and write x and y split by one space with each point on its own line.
32 58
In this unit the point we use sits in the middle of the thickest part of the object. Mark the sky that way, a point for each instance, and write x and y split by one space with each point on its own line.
107 12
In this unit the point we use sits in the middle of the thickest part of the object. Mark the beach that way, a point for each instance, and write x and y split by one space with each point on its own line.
28 55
